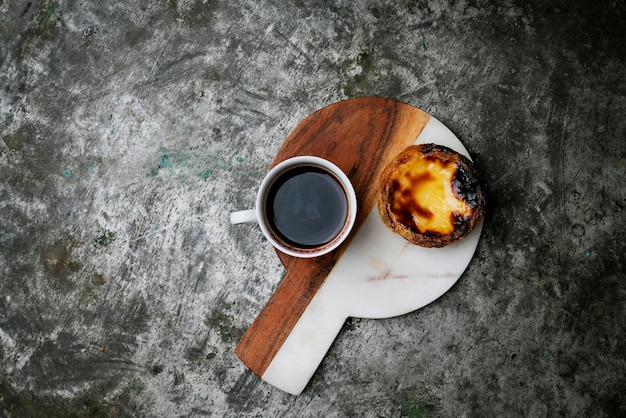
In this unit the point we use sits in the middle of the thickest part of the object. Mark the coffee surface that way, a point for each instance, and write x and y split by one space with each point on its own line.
307 207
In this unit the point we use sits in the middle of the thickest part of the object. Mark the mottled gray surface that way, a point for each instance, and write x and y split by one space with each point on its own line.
130 131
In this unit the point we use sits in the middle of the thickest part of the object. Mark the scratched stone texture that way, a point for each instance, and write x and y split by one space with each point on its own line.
131 129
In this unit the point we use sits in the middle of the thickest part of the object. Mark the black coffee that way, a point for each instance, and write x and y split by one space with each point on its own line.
307 207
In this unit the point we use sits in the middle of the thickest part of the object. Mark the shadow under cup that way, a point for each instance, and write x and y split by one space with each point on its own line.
307 207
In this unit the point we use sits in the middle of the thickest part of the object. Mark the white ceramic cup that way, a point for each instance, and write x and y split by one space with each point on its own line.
262 217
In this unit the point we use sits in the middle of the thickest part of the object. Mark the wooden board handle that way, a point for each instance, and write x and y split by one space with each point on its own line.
271 327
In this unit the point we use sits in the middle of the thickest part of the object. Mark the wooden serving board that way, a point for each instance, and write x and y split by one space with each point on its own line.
375 273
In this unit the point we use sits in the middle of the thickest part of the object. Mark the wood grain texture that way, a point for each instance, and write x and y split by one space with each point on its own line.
360 136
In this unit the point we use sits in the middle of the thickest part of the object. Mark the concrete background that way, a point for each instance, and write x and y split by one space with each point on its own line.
130 130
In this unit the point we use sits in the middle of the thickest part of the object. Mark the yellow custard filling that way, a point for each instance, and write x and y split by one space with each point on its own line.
423 198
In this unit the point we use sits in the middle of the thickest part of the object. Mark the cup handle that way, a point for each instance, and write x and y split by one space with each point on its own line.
243 216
